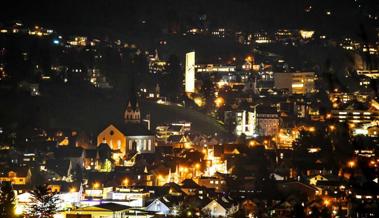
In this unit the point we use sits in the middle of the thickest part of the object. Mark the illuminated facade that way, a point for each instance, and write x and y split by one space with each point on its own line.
190 73
296 83
244 122
131 136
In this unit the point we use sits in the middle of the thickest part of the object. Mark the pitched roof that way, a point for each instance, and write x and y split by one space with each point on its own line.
112 206
20 171
189 183
68 152
134 129
58 166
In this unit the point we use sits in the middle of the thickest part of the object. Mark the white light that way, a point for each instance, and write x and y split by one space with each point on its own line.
190 72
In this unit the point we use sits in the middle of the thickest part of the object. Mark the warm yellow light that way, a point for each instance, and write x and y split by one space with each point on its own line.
332 127
73 189
249 59
197 166
351 125
199 101
252 143
125 182
96 185
328 116
312 129
219 101
351 164
326 202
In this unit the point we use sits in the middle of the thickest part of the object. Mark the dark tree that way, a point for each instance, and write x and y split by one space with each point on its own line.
325 213
78 173
44 203
7 200
173 85
298 211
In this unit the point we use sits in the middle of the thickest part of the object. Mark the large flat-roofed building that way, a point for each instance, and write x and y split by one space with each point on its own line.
296 82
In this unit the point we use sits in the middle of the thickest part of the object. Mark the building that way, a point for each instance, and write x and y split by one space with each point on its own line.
104 210
17 176
243 122
130 136
220 208
296 83
268 121
357 113
190 73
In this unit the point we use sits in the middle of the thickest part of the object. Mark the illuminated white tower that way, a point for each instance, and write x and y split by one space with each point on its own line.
190 73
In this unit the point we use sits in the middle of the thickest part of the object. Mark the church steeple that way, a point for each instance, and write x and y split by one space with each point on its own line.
132 114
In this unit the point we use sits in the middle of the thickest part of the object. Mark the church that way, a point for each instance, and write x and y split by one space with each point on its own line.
131 136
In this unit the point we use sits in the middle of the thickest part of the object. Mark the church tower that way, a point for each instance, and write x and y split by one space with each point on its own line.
132 113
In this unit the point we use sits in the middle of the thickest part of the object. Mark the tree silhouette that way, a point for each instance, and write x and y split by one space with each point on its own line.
43 203
7 200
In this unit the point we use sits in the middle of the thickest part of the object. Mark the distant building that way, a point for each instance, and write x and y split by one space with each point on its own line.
356 112
17 176
242 122
268 121
190 73
296 83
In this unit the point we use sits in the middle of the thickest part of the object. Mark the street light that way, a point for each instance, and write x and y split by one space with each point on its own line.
125 182
96 185
351 164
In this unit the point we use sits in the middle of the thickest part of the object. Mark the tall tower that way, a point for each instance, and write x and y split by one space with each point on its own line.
190 73
132 113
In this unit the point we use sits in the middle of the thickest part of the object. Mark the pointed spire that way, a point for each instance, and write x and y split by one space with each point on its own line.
145 170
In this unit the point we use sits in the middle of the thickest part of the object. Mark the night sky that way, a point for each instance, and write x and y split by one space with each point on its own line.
119 17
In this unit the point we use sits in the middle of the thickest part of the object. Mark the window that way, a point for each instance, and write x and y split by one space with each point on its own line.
149 144
144 145
119 144
130 145
111 132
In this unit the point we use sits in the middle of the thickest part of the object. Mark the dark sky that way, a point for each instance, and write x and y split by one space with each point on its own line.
125 16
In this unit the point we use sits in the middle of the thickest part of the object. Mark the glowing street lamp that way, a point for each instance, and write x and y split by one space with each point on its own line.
332 127
125 182
252 143
96 185
219 101
326 202
351 164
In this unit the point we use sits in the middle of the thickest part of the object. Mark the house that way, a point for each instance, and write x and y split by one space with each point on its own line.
190 187
59 169
220 208
179 141
17 175
315 179
160 206
73 154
